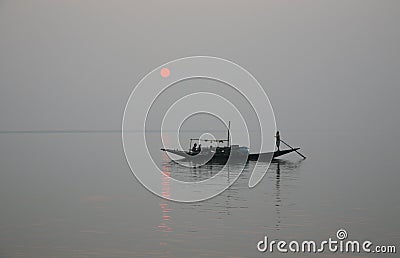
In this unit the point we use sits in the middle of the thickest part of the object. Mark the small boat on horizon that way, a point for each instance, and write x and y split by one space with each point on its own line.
221 154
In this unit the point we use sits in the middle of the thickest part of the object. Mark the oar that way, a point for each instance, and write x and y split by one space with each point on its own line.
293 149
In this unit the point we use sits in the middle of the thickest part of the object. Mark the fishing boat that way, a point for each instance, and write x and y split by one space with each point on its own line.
221 154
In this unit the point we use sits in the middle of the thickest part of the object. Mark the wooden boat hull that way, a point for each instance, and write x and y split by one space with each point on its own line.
266 156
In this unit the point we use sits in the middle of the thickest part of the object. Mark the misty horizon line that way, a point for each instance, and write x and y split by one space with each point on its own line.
100 131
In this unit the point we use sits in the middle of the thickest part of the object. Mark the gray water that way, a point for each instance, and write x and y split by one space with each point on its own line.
331 72
73 195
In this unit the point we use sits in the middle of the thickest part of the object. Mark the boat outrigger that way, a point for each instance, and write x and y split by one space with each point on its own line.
222 153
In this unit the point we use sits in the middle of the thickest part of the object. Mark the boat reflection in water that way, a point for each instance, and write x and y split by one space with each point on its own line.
166 209
287 175
218 217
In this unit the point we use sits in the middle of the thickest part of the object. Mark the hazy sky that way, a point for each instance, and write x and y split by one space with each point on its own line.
326 65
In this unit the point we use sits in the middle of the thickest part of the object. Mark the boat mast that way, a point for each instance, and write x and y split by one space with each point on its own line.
229 128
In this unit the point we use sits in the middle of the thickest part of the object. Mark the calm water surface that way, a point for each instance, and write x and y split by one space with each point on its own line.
73 195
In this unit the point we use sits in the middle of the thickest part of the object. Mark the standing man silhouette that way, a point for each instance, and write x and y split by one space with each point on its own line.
278 139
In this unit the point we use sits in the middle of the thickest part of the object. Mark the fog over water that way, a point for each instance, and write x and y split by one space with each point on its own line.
67 68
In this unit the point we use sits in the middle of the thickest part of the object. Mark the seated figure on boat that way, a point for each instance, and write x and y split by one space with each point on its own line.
194 149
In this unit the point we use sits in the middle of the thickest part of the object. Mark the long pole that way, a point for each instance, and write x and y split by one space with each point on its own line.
293 149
